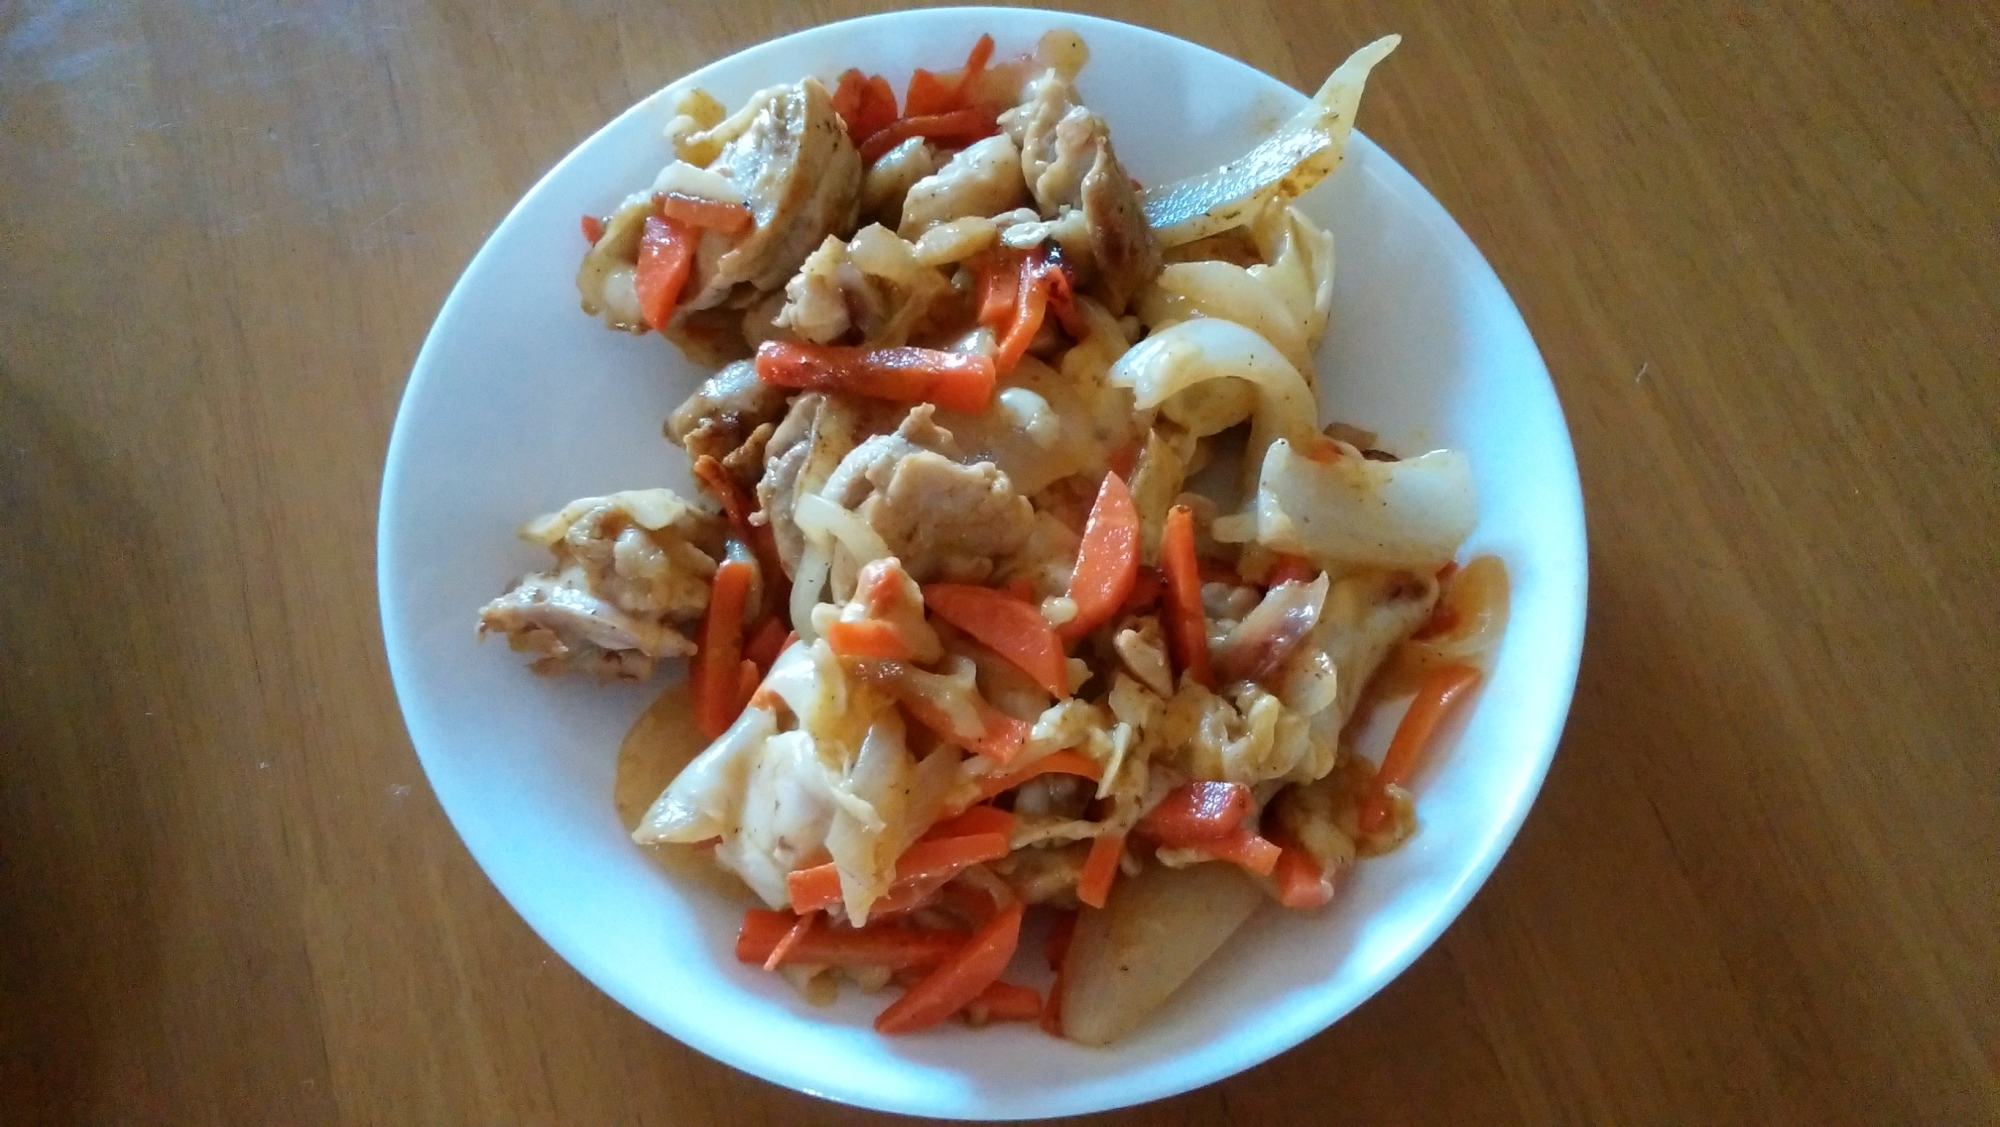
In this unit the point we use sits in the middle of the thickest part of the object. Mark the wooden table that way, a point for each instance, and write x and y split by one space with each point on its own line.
1757 244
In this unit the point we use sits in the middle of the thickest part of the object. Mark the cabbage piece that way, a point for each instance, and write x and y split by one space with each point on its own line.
866 828
703 800
1285 165
1408 515
1186 355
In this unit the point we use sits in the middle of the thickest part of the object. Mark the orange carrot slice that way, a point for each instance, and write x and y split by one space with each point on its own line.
959 979
1436 693
1093 886
1107 561
1011 628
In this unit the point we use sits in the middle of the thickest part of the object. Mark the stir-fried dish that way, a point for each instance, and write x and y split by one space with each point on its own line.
1023 575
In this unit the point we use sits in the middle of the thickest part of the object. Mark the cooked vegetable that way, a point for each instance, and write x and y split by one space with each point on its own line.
1100 869
954 380
1152 933
891 946
713 215
717 696
1056 762
1439 690
977 820
926 864
1187 627
1255 854
1304 151
1198 812
868 637
666 254
958 127
1004 1001
1107 561
1193 355
1302 884
1266 638
1356 512
959 979
866 103
1011 628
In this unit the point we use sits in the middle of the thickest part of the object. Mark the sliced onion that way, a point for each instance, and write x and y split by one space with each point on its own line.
807 586
1266 637
822 520
1411 514
1188 354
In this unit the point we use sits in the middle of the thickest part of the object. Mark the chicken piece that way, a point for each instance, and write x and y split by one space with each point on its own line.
803 451
815 305
801 179
888 181
631 571
1127 256
1069 165
870 465
984 179
873 283
722 414
948 521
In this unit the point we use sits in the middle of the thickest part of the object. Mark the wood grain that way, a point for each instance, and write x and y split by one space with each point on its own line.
1757 243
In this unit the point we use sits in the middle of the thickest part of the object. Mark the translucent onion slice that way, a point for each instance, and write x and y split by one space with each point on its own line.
1285 165
1351 511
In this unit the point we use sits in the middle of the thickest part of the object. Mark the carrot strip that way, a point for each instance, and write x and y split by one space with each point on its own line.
1004 1001
890 945
1107 561
1244 848
759 538
1054 763
717 701
929 94
1093 886
959 126
784 946
1031 302
1436 693
974 904
1187 629
748 677
1000 736
1290 569
715 215
593 229
1146 587
1011 628
999 285
1196 812
666 254
1302 884
976 820
878 107
767 642
956 381
870 637
959 979
926 862
847 99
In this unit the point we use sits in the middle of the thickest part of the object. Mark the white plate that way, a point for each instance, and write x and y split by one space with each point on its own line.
519 403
